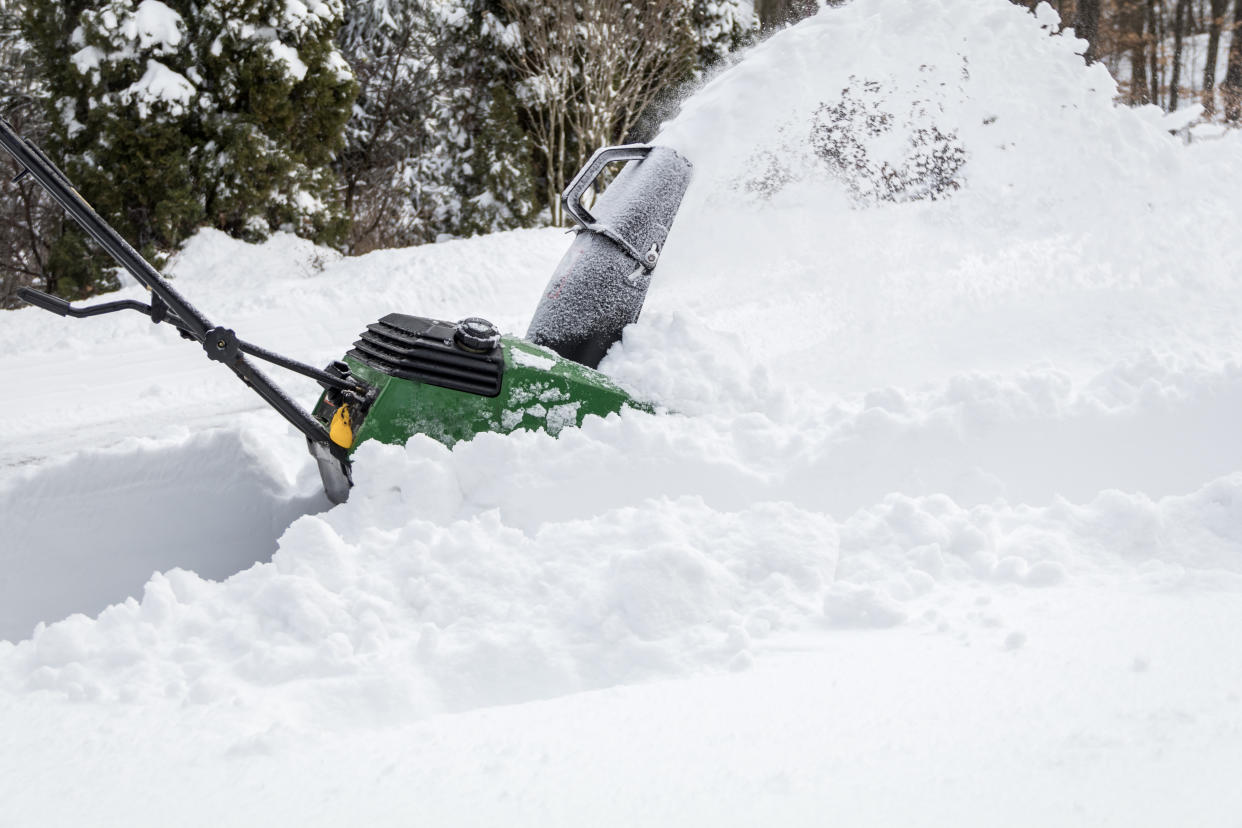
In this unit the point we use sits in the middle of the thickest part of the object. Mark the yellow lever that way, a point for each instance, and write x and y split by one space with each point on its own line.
341 432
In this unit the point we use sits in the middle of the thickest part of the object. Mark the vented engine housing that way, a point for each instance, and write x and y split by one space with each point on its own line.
426 350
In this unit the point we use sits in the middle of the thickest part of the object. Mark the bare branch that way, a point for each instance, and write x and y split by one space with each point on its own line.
589 70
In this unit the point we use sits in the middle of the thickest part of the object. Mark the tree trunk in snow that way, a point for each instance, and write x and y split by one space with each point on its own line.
1132 23
1231 89
1215 24
1179 31
1087 26
1153 56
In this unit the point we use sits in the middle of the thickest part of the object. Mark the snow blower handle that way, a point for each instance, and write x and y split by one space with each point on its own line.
167 305
49 303
34 162
58 306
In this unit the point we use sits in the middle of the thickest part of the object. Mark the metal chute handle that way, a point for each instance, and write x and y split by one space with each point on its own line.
586 177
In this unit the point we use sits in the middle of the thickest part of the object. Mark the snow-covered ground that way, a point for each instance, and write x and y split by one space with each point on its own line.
947 529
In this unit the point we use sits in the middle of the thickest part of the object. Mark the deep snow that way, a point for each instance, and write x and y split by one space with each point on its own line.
947 528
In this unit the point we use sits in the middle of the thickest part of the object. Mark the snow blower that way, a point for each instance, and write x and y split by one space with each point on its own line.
410 375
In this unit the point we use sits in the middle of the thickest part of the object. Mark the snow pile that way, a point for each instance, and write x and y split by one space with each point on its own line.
602 557
142 506
944 506
421 618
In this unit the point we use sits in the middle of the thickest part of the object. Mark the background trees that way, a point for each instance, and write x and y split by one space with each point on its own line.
470 114
27 220
171 116
1166 52
588 71
434 147
359 123
380 123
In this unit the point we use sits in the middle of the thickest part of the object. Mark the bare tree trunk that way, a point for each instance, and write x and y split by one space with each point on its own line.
1215 25
1231 88
1087 26
544 60
1153 38
1179 31
590 70
1131 23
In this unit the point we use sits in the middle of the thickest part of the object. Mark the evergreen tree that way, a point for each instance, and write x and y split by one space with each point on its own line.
446 138
494 163
27 215
173 115
434 148
720 28
388 187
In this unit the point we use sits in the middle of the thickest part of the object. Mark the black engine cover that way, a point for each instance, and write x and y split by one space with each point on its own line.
427 350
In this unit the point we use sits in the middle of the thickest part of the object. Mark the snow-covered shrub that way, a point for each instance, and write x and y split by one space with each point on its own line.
720 28
434 147
171 115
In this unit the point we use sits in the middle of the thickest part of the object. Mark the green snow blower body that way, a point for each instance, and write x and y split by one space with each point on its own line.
534 389
408 375
427 381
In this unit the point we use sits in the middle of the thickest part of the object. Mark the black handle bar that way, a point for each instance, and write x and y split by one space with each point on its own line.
220 344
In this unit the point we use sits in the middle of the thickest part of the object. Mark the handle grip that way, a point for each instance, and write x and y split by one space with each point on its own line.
43 300
587 175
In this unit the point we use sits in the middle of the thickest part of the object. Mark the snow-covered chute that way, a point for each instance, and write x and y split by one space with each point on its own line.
601 283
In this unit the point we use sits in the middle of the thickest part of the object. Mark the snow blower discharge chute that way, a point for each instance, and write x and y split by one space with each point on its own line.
411 375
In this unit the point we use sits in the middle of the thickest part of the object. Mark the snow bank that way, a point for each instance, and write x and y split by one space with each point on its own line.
419 618
529 566
88 530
